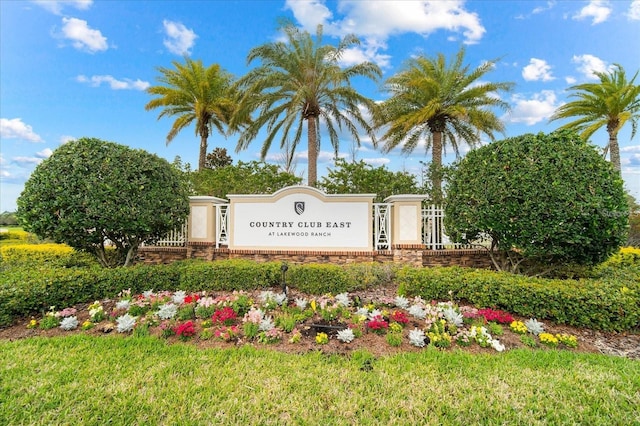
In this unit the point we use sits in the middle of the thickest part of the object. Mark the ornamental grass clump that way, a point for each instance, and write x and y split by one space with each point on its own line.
69 323
534 326
126 323
346 335
417 338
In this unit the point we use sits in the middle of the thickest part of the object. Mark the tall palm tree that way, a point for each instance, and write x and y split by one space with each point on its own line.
440 104
301 80
193 93
612 102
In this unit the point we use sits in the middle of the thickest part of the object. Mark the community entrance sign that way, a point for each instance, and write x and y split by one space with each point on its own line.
301 218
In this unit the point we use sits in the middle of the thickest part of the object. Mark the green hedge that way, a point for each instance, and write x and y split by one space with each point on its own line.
610 302
32 290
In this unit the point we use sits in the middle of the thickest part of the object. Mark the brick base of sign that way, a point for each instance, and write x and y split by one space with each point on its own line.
406 254
467 258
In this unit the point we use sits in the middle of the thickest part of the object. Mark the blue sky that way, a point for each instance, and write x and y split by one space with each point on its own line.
70 69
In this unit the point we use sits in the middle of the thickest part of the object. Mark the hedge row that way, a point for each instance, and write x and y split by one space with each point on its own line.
26 291
610 302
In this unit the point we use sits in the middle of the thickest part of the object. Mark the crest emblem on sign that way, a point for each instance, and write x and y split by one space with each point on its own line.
298 206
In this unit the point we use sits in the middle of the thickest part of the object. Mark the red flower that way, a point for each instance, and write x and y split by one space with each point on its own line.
225 316
191 298
501 317
185 330
377 323
399 317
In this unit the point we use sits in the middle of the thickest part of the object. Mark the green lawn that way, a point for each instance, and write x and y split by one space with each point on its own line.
126 380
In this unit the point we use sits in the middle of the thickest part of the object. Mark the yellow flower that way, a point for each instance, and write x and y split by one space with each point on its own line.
313 304
32 324
322 338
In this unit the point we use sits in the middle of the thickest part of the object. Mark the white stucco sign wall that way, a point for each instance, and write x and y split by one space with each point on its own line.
301 218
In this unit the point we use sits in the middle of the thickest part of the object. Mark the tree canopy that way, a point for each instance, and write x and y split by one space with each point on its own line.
90 193
301 80
611 103
194 94
542 199
436 103
243 178
362 178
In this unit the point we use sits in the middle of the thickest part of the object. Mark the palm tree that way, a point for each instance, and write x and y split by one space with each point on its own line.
440 104
298 81
612 103
193 93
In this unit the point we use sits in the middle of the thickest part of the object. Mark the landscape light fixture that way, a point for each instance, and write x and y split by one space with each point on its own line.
284 269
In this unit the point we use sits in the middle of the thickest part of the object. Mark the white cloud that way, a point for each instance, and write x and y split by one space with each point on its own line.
531 111
56 6
125 84
45 153
26 161
540 9
66 138
538 69
598 10
376 162
634 10
587 64
83 37
180 39
570 79
15 129
632 148
376 21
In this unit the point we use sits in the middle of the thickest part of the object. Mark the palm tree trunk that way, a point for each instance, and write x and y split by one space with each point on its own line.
614 150
203 152
312 138
436 182
436 160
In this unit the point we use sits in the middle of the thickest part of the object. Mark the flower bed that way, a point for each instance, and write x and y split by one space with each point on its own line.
301 323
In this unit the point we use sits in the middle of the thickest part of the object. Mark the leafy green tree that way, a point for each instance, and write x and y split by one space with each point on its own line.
440 104
525 194
244 178
8 218
194 94
91 192
362 178
301 80
218 158
611 103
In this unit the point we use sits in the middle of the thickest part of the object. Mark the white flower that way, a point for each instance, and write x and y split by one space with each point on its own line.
495 344
167 311
123 304
346 335
280 298
417 312
266 324
416 337
178 297
125 323
374 313
147 294
95 311
266 296
301 303
343 299
401 302
452 316
534 326
69 323
363 312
